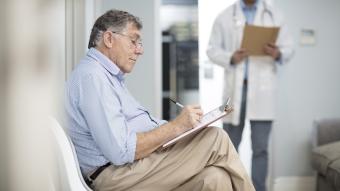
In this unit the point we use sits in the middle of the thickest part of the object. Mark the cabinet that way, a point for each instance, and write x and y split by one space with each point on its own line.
179 71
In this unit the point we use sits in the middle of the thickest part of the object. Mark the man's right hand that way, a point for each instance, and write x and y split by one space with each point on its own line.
188 118
238 56
148 142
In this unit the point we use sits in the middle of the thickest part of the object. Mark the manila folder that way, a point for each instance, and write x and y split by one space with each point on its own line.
256 37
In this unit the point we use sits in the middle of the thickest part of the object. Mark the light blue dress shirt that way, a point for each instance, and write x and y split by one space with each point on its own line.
102 116
249 13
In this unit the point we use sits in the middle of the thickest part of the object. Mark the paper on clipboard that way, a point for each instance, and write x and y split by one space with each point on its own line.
256 37
206 120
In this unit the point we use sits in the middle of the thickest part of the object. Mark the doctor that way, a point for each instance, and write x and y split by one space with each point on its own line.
250 81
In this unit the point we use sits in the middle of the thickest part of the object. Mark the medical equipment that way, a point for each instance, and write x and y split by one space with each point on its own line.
265 10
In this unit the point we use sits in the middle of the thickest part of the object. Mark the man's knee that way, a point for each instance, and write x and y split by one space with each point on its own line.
215 174
215 178
217 135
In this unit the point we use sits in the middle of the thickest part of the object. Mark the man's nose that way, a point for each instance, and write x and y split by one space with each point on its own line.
139 50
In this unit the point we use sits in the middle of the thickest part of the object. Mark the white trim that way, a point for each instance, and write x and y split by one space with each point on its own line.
75 33
158 60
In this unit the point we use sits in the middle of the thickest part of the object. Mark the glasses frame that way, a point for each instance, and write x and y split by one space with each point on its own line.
136 43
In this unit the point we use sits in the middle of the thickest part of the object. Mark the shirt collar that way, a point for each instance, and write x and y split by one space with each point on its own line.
104 61
244 6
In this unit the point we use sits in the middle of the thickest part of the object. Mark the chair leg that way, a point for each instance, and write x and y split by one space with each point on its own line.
322 184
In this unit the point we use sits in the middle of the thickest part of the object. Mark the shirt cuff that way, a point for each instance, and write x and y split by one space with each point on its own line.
162 122
279 59
131 147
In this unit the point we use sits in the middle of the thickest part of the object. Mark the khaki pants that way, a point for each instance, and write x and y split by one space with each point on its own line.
206 161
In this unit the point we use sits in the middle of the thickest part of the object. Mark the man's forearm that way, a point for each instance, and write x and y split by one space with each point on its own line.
148 142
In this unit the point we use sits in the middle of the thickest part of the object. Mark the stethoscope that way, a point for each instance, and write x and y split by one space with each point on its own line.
265 10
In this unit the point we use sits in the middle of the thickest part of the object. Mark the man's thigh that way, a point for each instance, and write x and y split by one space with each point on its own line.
164 169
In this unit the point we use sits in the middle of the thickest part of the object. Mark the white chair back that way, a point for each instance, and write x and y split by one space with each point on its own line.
68 158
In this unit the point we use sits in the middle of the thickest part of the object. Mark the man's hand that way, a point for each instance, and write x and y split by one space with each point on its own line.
272 50
148 142
238 56
188 118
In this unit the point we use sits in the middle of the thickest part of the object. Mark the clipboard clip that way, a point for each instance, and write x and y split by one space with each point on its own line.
226 107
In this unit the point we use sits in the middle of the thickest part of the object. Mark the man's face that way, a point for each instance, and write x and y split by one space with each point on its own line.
126 48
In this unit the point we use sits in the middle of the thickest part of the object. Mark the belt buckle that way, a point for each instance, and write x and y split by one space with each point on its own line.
88 179
89 182
94 174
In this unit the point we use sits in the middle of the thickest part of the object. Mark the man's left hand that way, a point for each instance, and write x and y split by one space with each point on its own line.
272 50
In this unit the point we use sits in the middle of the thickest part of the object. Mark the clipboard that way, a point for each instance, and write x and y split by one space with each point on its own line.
256 37
206 120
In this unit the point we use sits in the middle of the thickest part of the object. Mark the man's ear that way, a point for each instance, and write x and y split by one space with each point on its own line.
107 39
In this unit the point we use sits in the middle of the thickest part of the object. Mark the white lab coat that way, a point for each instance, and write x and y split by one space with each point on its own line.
225 39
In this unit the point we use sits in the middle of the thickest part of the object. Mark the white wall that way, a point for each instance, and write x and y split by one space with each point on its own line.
145 80
78 14
170 14
309 85
3 100
210 88
33 48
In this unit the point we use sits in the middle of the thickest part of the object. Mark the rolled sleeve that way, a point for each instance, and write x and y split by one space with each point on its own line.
102 110
131 147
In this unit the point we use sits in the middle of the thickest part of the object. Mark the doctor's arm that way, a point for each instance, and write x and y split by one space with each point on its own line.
217 51
285 44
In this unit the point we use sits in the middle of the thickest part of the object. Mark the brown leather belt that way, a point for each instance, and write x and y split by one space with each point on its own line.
245 82
89 180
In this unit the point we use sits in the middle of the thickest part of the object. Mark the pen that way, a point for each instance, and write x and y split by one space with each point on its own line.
228 101
180 105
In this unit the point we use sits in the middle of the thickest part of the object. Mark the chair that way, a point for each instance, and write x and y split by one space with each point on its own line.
326 154
67 158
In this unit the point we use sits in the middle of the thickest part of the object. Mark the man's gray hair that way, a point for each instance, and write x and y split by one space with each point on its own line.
115 20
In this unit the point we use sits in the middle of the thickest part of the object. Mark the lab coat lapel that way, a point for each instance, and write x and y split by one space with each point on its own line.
259 10
242 19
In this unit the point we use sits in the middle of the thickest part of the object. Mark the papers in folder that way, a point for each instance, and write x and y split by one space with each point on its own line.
206 120
256 37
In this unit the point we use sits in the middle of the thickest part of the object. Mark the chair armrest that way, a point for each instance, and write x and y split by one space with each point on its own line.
326 131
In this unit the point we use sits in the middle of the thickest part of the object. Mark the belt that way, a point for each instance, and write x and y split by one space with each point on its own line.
245 82
89 180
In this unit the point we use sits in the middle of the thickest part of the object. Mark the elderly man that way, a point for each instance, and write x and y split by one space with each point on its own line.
116 139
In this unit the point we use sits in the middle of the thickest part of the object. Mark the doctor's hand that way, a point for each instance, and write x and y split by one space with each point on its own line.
272 50
238 56
188 118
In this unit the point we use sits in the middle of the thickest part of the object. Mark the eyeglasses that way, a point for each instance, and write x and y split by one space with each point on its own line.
137 43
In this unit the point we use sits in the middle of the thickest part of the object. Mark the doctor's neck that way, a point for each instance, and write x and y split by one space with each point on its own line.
249 2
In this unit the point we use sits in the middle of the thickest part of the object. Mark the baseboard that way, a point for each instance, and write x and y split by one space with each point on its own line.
294 183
